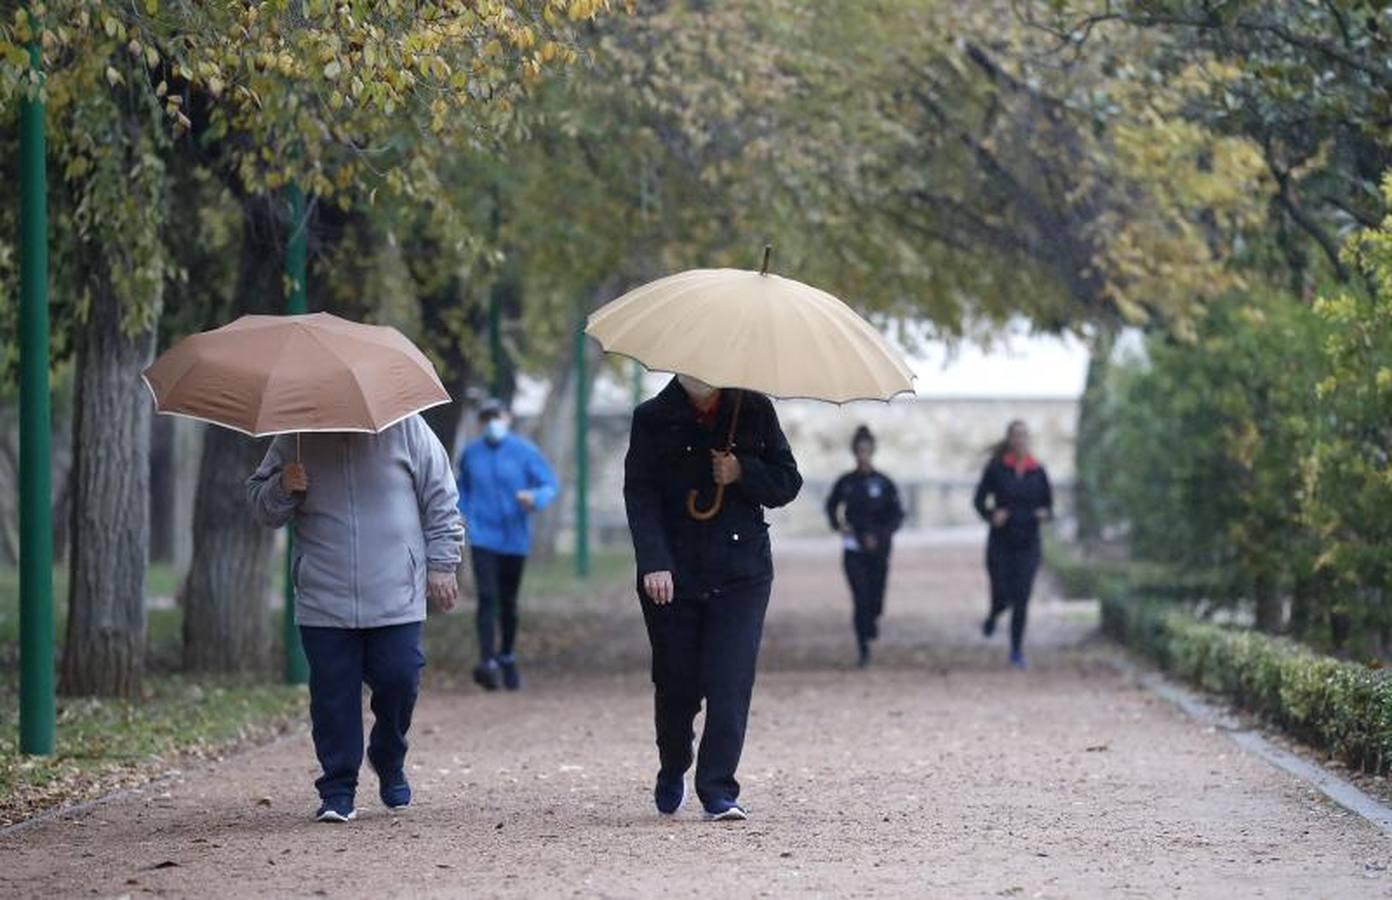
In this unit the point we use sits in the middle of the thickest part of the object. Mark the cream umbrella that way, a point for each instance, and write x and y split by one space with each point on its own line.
264 375
736 328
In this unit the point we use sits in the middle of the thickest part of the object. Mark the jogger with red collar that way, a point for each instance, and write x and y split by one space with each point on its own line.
1014 497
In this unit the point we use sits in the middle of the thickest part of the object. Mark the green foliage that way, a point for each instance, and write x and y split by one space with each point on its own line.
1261 449
1342 708
1203 455
1349 469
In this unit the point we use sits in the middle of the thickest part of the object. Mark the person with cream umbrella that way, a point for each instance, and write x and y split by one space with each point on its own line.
706 457
369 489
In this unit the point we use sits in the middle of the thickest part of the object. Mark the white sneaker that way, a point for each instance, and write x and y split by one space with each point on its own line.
327 813
732 813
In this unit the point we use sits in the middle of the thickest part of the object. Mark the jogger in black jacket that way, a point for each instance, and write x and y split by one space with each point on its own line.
864 507
704 579
1014 496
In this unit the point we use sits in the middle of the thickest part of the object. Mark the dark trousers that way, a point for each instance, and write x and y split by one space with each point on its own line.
706 649
1012 571
341 660
497 578
867 574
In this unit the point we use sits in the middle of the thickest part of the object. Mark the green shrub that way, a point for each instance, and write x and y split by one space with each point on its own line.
1342 708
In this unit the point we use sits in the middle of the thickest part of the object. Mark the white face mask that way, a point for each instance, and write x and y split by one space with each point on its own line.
695 387
496 429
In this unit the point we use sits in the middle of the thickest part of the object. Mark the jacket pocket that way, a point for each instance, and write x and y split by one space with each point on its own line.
295 571
412 571
748 556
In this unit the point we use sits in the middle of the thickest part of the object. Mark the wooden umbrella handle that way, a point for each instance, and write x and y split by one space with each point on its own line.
705 515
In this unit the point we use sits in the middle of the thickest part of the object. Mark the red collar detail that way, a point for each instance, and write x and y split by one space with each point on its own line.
1021 465
708 412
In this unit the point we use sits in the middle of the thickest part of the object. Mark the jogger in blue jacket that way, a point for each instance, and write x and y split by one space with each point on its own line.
503 479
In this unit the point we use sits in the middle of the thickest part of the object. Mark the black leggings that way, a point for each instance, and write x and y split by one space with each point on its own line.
497 578
1012 571
867 574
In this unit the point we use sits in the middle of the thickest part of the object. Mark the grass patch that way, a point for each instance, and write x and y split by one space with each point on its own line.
561 615
107 744
553 581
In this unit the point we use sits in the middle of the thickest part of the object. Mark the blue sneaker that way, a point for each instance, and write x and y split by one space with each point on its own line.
395 791
336 809
488 675
512 679
725 811
670 793
1017 659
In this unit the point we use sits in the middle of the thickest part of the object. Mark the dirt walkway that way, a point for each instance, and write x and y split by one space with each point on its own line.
939 773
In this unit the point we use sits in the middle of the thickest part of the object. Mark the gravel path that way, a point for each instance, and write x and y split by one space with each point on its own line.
938 773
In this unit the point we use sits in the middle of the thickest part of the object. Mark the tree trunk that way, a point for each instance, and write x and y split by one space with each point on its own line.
1270 611
554 434
227 622
227 592
1087 449
109 538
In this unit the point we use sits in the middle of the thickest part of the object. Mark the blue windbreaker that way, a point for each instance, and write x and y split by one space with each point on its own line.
490 475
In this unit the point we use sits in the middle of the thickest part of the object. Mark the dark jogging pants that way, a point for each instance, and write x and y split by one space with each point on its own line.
867 574
1012 571
706 649
341 660
498 579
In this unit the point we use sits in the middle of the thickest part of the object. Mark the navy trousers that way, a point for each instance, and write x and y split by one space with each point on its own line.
706 649
341 660
1012 571
867 574
497 579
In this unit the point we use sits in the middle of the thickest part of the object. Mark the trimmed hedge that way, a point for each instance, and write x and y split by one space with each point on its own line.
1340 707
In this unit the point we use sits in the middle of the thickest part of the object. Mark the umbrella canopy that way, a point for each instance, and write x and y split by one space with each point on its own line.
264 375
761 332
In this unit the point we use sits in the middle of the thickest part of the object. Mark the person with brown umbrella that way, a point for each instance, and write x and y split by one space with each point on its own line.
377 531
369 490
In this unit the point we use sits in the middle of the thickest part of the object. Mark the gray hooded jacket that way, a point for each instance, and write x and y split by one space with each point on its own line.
381 509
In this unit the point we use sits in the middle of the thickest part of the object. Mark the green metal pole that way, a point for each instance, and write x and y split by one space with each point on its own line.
296 251
36 634
637 382
582 458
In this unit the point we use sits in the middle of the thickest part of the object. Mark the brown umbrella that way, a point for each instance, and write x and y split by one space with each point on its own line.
264 375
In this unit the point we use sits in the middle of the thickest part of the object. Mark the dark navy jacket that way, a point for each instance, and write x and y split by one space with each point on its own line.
1021 495
872 507
669 454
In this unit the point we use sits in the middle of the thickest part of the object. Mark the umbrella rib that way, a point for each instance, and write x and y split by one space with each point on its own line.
357 385
266 376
